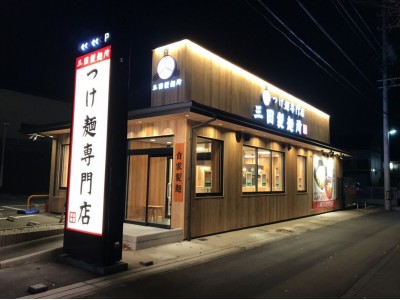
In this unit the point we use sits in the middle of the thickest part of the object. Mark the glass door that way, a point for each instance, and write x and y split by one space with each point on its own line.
137 188
149 189
157 207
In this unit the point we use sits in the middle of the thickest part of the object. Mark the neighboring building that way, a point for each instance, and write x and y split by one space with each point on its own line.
26 164
395 174
218 150
364 167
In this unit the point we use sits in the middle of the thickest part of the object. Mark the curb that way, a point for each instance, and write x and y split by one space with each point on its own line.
30 258
26 235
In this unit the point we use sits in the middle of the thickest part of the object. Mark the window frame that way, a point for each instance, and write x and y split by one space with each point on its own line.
64 164
304 174
269 175
220 165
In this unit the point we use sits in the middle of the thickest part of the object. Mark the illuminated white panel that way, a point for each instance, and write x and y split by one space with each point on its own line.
89 142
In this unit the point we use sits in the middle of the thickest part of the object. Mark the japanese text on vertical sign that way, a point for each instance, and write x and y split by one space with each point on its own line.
89 142
179 179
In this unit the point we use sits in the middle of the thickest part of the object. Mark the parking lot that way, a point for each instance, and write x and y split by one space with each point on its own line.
14 213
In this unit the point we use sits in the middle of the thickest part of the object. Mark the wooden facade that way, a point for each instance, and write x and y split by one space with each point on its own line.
214 82
210 99
233 209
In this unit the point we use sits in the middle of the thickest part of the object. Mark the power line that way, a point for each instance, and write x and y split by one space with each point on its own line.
334 42
294 43
309 49
365 25
353 24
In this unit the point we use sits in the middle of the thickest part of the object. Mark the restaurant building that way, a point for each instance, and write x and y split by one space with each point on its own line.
218 150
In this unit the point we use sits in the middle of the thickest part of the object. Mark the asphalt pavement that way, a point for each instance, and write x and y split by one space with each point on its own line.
35 263
26 268
336 261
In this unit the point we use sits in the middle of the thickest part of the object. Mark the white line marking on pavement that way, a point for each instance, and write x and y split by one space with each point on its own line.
19 216
10 207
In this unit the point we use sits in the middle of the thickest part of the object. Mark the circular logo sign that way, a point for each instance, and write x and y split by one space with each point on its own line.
166 67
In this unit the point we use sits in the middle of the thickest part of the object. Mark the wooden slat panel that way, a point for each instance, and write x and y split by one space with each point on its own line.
215 83
137 187
233 210
179 129
157 181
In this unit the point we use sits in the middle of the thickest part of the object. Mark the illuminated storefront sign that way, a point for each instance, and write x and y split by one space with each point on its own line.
89 141
95 42
324 182
281 114
167 84
167 71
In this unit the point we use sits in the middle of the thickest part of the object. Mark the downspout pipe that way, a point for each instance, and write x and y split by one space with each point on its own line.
191 183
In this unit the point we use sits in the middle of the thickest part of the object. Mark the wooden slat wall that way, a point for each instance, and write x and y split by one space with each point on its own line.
234 210
160 128
157 171
179 129
137 187
172 95
209 81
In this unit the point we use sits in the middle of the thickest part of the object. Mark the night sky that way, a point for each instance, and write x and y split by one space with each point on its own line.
39 41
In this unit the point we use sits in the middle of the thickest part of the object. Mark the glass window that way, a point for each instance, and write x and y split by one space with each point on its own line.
278 172
301 174
208 166
64 166
249 169
263 170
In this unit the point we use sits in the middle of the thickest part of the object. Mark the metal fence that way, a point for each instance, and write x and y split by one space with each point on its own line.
372 196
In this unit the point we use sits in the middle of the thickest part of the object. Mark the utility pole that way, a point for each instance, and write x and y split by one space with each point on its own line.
386 170
386 84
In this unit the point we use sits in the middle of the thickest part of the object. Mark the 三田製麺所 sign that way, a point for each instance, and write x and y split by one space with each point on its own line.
89 143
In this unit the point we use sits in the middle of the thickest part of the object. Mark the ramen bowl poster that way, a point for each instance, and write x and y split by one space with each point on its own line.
324 182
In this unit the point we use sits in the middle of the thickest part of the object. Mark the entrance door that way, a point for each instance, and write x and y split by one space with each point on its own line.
149 187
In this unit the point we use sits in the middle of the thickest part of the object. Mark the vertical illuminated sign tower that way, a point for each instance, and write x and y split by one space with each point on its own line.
89 143
95 206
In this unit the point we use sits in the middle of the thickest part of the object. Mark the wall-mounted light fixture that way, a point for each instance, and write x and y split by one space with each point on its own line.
238 136
34 136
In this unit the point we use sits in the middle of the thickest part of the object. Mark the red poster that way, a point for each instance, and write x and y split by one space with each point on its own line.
324 183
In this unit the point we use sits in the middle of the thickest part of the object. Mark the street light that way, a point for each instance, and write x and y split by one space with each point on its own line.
386 169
